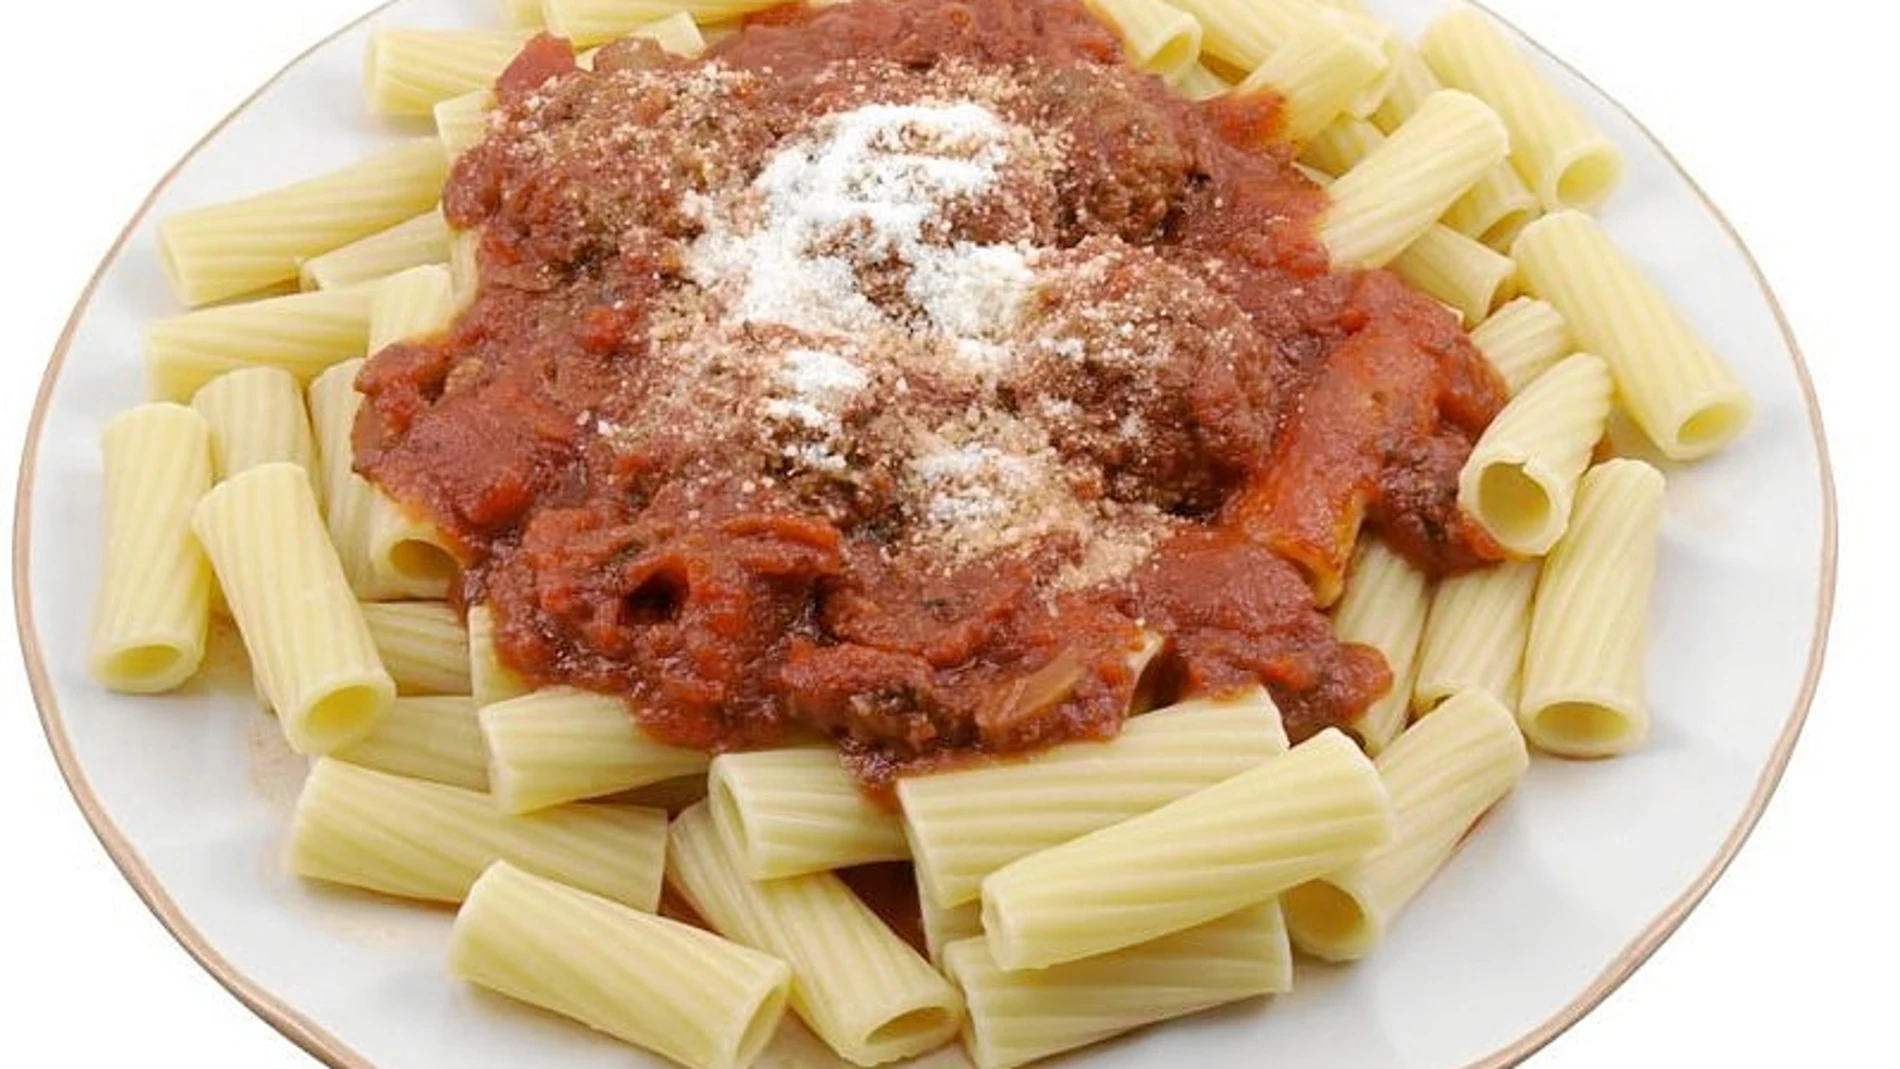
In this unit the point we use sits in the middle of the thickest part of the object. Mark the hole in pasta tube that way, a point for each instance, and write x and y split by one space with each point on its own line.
1505 229
413 558
340 717
1329 923
763 1025
1580 728
1711 426
1588 178
926 1024
153 667
1516 508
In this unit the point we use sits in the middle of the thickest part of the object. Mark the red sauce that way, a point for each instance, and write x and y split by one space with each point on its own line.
638 533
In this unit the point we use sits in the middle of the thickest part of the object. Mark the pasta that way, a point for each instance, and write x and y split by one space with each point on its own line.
966 824
409 72
1522 340
489 680
1442 775
462 122
1019 1017
1523 473
1318 72
1584 666
308 643
1241 841
256 416
862 990
304 334
1564 158
560 745
1161 38
435 739
1462 272
1244 33
413 243
593 22
410 838
789 812
1678 390
1393 197
655 983
1196 82
423 644
154 607
944 925
1384 607
526 13
1475 635
225 251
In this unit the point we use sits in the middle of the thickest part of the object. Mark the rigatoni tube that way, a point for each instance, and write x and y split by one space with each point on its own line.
491 681
1475 635
789 812
658 984
231 249
1019 1017
154 605
462 122
423 645
1671 382
561 744
414 839
1584 692
1318 72
1522 340
409 72
862 990
1384 607
257 416
435 739
1442 774
965 824
1522 475
1398 192
1566 160
304 334
309 646
411 243
1159 37
594 22
1315 809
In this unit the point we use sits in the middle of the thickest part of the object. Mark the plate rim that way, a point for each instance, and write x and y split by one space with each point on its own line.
327 1048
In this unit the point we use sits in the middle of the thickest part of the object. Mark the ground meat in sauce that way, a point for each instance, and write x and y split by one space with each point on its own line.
1106 390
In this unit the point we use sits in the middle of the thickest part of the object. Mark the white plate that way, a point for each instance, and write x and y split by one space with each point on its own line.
1564 891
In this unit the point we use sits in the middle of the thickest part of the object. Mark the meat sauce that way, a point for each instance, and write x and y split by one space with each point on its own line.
583 430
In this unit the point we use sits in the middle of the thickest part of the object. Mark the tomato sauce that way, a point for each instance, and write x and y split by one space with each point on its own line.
1213 413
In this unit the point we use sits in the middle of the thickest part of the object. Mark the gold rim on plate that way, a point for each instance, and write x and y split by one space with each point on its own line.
330 1050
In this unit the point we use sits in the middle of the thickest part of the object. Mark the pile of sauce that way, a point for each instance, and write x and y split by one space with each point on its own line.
918 375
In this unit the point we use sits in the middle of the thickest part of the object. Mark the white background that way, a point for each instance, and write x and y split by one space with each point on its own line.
1782 119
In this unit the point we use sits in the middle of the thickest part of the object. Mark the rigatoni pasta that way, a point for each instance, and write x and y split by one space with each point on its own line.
964 825
257 416
1679 391
436 739
423 644
412 243
1160 37
1566 160
1523 473
1584 668
1443 774
1383 205
304 334
309 647
414 839
1384 607
1475 635
211 254
1318 72
409 72
1241 841
154 608
1522 340
668 987
865 992
789 812
1020 1017
593 22
561 745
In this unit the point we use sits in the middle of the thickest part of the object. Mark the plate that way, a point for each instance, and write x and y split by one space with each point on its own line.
1567 888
